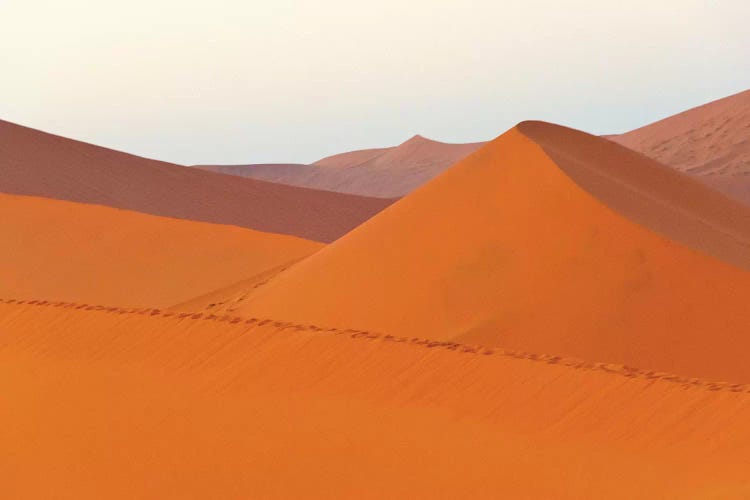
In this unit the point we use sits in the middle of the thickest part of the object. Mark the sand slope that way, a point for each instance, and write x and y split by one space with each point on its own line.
545 240
117 404
40 164
271 172
385 173
343 160
711 142
72 251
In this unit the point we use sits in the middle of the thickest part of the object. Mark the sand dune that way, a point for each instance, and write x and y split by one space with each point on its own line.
39 164
510 329
553 241
385 173
711 142
79 252
342 160
270 172
108 403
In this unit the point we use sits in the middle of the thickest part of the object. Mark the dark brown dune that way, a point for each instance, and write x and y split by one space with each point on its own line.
711 142
384 173
36 163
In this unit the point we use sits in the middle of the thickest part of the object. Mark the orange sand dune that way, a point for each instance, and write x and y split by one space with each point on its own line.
116 404
73 251
546 240
39 164
711 142
385 173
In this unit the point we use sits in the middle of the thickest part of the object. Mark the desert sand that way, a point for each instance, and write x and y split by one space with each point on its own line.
114 403
554 316
62 250
35 163
553 241
384 173
711 142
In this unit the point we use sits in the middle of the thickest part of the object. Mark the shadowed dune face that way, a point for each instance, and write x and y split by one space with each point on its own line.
149 405
711 142
385 173
649 193
61 250
38 164
527 256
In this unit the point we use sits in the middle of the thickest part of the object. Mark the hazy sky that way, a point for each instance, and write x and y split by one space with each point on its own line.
282 80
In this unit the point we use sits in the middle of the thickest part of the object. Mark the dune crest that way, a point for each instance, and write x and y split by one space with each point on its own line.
543 249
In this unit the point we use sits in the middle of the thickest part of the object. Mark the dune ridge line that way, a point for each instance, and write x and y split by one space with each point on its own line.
570 362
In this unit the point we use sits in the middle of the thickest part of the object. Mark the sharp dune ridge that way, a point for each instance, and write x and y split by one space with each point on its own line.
35 163
145 399
649 193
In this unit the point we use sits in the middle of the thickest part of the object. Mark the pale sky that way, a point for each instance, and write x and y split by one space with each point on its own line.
292 81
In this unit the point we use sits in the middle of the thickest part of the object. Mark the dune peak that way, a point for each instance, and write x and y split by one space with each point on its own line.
553 240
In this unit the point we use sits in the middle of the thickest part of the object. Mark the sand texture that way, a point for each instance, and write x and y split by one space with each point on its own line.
116 403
